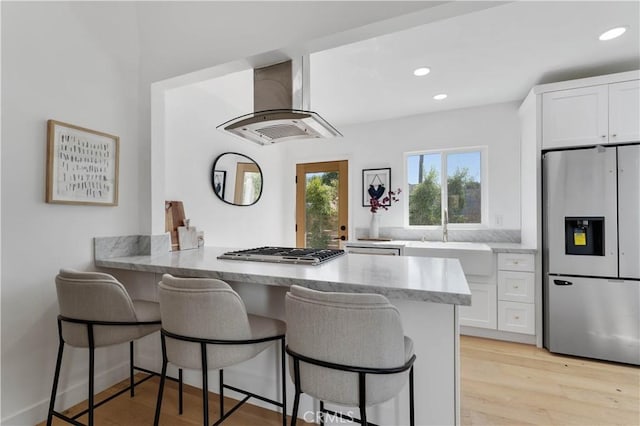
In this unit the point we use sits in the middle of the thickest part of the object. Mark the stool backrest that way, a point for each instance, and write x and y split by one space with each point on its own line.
363 330
92 296
206 309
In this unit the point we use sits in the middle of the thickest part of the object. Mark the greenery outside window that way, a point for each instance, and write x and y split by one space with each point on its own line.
457 177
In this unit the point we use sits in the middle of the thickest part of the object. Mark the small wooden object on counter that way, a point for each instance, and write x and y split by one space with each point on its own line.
174 218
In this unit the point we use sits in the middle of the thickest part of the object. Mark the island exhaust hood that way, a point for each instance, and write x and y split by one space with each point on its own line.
276 89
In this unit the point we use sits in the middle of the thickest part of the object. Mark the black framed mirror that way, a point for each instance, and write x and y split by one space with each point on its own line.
236 179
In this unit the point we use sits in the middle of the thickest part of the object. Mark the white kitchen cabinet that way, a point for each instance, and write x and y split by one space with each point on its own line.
575 117
516 292
482 312
599 114
516 286
624 112
516 317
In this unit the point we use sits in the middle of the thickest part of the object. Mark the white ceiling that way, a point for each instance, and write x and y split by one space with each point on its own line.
479 53
489 56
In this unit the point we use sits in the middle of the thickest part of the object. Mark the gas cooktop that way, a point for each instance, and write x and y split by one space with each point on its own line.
307 256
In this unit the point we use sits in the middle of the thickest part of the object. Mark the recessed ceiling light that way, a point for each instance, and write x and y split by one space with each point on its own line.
440 97
419 72
612 33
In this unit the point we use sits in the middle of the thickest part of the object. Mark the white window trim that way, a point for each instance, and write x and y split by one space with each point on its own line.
484 178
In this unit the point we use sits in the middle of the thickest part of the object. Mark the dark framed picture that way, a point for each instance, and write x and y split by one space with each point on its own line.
218 182
82 165
375 184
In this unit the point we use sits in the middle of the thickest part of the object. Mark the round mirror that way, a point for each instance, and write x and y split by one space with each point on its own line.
236 179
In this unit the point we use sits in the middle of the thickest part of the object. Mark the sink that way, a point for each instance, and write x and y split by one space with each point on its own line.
475 258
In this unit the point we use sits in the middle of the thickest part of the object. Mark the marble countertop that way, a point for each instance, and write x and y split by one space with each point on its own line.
436 280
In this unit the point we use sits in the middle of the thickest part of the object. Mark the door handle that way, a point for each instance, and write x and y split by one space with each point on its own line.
341 238
562 282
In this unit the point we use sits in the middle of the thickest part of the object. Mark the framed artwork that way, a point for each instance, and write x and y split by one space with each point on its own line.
375 184
82 165
219 182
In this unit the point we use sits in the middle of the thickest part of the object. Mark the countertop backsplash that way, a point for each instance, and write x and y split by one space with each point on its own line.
469 235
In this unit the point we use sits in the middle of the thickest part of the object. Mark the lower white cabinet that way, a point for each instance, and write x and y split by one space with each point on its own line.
516 290
482 312
516 317
516 286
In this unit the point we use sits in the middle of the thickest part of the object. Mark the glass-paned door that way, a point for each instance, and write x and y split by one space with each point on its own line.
322 204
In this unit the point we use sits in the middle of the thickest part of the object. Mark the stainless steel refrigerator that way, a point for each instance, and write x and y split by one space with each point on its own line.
591 256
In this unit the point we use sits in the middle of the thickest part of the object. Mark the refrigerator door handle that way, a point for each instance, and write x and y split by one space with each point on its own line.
562 282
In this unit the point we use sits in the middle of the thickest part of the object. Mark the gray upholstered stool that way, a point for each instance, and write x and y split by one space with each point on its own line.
96 311
348 349
205 326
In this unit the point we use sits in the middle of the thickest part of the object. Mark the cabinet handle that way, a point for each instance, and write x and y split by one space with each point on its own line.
517 317
603 136
614 135
515 286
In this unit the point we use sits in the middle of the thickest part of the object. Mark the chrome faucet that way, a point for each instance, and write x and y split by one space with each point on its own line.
445 223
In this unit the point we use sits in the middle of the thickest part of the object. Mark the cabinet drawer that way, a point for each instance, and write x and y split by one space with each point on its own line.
516 317
516 286
482 312
516 262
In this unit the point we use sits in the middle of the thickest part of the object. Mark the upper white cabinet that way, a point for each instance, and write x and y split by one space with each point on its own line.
624 112
599 114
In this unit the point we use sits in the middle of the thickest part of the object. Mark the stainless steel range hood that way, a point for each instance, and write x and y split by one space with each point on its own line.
277 89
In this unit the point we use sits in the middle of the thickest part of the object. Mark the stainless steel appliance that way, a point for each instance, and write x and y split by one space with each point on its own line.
592 252
306 256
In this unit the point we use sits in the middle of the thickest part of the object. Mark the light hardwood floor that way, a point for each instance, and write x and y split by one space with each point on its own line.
502 384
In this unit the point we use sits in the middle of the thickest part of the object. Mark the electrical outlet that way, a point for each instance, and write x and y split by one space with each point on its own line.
498 220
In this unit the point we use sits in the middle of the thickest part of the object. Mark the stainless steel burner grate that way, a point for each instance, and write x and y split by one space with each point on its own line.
307 256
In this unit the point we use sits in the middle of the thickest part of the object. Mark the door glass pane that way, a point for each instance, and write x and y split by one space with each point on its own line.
252 186
321 210
464 187
424 177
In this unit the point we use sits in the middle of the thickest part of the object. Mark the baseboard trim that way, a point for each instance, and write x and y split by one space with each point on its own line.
529 339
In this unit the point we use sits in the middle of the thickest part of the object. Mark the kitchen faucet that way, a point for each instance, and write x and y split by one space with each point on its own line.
445 223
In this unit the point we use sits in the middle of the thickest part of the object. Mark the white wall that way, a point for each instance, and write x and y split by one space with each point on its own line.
382 144
76 63
193 143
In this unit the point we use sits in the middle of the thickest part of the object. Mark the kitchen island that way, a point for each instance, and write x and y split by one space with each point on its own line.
427 292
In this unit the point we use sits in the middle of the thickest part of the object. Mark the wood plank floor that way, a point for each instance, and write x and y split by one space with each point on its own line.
509 383
502 384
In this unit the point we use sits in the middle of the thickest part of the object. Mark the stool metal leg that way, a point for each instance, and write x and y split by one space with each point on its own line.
412 419
362 393
205 385
296 399
91 371
131 385
180 391
56 376
321 413
221 391
163 374
283 355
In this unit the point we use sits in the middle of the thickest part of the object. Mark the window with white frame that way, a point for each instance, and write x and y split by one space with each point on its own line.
451 180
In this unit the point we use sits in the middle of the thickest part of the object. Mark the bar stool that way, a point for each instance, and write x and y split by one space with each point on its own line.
348 349
205 326
96 311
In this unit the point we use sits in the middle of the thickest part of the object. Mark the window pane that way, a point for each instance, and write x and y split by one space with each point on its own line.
464 187
424 176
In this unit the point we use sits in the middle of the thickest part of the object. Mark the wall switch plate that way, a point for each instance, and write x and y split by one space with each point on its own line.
498 220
